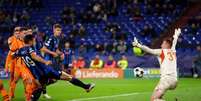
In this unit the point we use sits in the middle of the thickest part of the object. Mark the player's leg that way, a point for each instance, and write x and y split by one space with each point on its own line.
61 75
36 94
160 89
44 91
157 95
44 88
11 88
3 92
14 79
11 81
76 82
30 83
45 82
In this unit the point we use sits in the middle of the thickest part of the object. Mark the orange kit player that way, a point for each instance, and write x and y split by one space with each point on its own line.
18 68
3 92
10 62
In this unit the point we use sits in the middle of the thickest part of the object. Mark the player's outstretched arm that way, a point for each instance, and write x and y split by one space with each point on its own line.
145 48
175 38
40 59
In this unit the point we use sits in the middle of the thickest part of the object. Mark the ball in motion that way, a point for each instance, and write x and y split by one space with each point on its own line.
139 72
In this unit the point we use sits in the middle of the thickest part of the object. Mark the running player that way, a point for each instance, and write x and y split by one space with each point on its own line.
168 65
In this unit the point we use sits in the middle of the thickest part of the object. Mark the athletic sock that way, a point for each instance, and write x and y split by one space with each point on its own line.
44 89
36 94
4 95
79 83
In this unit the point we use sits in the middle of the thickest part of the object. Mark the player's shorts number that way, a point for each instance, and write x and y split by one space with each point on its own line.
29 61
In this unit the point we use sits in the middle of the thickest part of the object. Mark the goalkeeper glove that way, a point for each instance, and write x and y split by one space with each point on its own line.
177 32
136 43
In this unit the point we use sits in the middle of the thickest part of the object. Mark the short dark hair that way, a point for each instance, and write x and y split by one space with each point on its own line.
28 27
28 38
57 26
169 41
23 29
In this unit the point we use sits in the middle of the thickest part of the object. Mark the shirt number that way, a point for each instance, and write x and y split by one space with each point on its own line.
171 56
29 61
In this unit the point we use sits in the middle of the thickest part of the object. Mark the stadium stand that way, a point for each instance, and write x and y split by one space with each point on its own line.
104 23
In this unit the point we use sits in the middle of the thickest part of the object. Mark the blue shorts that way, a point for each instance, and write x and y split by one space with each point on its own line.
37 72
49 71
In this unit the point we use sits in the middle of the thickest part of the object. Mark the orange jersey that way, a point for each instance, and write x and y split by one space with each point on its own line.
14 44
9 60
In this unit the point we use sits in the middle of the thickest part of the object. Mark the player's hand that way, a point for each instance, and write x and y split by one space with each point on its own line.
48 63
62 56
177 33
55 54
135 42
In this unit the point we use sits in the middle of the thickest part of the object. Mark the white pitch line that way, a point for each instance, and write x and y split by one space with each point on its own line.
112 96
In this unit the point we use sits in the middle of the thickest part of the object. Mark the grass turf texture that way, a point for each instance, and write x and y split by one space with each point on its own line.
117 90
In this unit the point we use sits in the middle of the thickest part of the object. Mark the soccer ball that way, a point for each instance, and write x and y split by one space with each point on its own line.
139 72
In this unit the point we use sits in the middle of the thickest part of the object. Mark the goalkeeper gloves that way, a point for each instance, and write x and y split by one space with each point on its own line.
177 32
136 43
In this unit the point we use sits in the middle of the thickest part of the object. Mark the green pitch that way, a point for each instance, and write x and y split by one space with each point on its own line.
118 90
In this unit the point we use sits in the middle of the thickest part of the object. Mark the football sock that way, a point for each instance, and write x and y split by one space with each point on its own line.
79 83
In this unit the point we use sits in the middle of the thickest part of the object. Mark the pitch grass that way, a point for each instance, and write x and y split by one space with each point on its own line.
118 90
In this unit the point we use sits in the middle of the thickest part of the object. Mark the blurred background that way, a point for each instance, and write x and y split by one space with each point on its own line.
101 31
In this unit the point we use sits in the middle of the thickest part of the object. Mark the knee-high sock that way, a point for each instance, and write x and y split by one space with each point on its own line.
44 89
36 94
78 83
12 88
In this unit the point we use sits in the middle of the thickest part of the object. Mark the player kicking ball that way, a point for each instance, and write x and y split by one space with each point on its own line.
41 68
168 65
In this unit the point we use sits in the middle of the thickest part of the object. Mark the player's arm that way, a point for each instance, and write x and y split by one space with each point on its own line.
46 50
146 49
175 38
40 59
12 44
9 42
17 53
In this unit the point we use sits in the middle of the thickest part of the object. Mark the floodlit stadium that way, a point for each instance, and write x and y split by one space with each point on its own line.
100 50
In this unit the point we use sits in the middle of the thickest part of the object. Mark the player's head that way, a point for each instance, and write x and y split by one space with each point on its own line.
29 39
97 57
166 44
16 30
57 29
110 58
80 58
198 48
123 57
22 32
67 45
29 30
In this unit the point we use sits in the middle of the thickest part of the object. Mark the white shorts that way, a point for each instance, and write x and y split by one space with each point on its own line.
167 83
